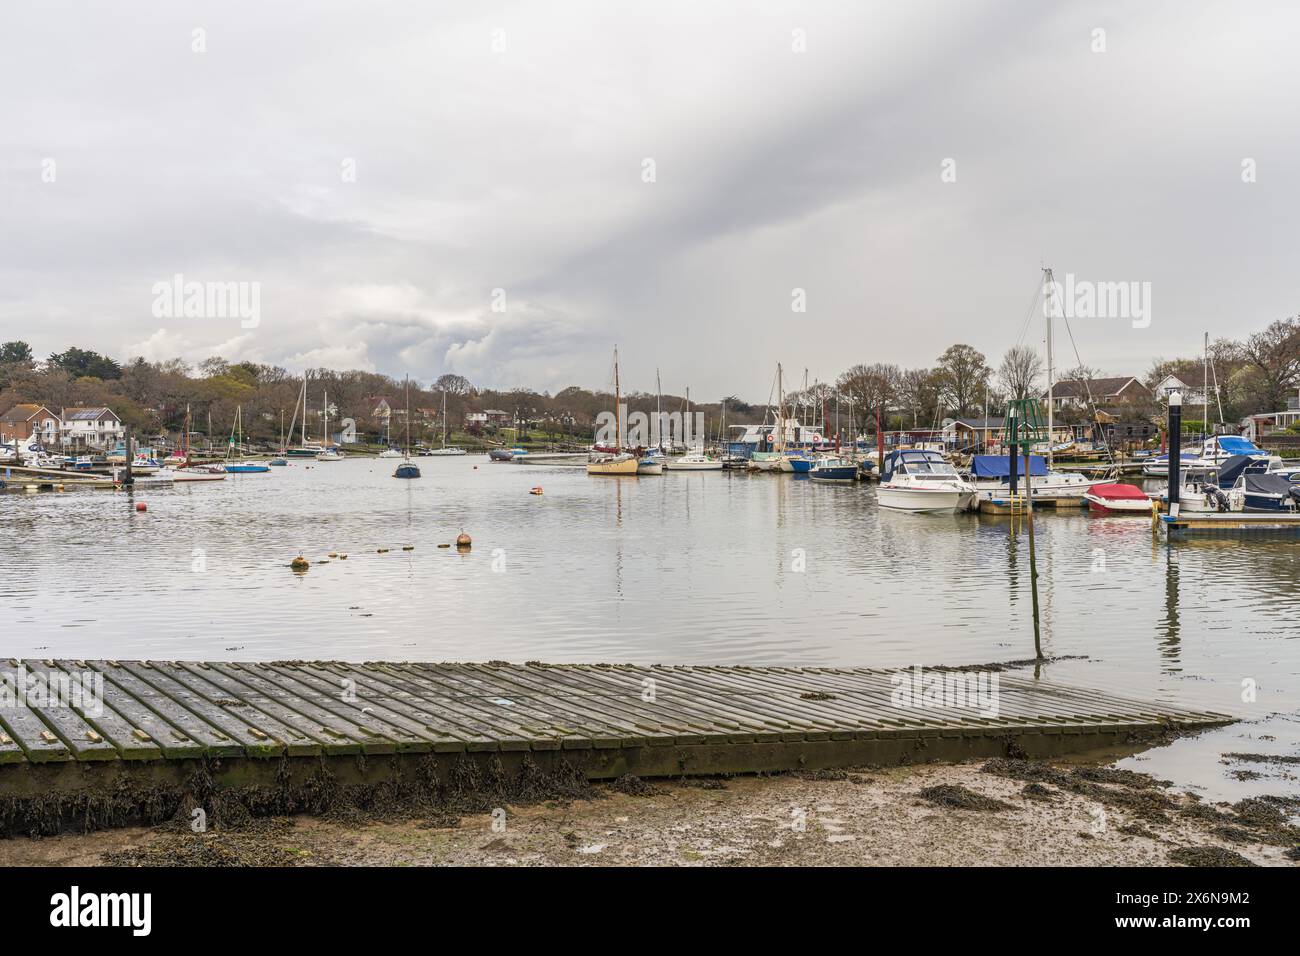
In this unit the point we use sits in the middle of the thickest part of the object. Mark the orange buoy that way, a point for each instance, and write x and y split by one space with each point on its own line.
141 506
300 563
463 541
535 490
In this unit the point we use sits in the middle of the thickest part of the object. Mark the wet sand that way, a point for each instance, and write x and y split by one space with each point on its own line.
935 815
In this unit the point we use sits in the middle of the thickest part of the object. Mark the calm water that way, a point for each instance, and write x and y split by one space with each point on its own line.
676 569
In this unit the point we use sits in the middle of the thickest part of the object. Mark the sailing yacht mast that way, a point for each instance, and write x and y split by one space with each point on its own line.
618 408
780 410
304 409
659 410
1048 286
1205 389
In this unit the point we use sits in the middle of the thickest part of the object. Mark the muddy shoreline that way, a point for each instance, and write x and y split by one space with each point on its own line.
999 812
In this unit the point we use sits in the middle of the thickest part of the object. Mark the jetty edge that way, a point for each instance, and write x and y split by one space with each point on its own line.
288 736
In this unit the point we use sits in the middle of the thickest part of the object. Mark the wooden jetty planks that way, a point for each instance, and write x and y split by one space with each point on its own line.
175 725
303 709
450 727
477 715
381 729
129 741
339 734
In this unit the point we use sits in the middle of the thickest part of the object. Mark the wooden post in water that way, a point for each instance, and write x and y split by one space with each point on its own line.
1033 560
127 478
880 445
1175 426
1011 449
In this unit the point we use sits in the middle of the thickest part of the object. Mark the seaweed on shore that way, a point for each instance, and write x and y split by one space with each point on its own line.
957 797
1207 856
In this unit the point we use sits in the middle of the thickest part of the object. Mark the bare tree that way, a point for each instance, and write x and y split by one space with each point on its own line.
1273 358
1018 374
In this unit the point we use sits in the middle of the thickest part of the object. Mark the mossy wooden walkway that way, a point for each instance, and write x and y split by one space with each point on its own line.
605 720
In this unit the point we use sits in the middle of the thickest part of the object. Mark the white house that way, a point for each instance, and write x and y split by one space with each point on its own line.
1192 395
91 428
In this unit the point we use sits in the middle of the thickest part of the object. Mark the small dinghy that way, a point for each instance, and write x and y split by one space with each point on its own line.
1118 499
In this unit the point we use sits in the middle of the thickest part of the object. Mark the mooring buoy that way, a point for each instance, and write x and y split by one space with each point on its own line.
300 563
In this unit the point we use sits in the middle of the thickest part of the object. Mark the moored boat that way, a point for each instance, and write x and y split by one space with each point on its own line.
1118 498
991 476
200 473
694 461
831 468
923 482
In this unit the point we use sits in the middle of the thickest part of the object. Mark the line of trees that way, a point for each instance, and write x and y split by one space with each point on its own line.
1256 374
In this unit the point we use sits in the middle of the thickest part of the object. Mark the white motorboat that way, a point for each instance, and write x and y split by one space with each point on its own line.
695 461
391 453
1214 452
923 482
990 474
650 465
329 454
199 473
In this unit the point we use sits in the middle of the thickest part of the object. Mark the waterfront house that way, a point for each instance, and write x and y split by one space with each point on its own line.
964 432
1075 393
476 418
28 422
1192 395
1265 423
91 427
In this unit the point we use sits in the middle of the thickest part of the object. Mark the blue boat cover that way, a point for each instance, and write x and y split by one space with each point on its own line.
1238 445
997 466
1231 470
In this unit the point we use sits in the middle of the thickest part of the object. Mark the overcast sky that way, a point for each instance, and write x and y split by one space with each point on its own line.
503 146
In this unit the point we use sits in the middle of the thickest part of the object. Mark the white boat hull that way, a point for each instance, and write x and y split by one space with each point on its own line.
693 465
924 500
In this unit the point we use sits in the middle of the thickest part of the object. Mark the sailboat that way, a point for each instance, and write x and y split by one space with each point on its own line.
407 469
695 460
619 462
186 471
239 466
279 460
446 449
328 452
305 448
771 460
